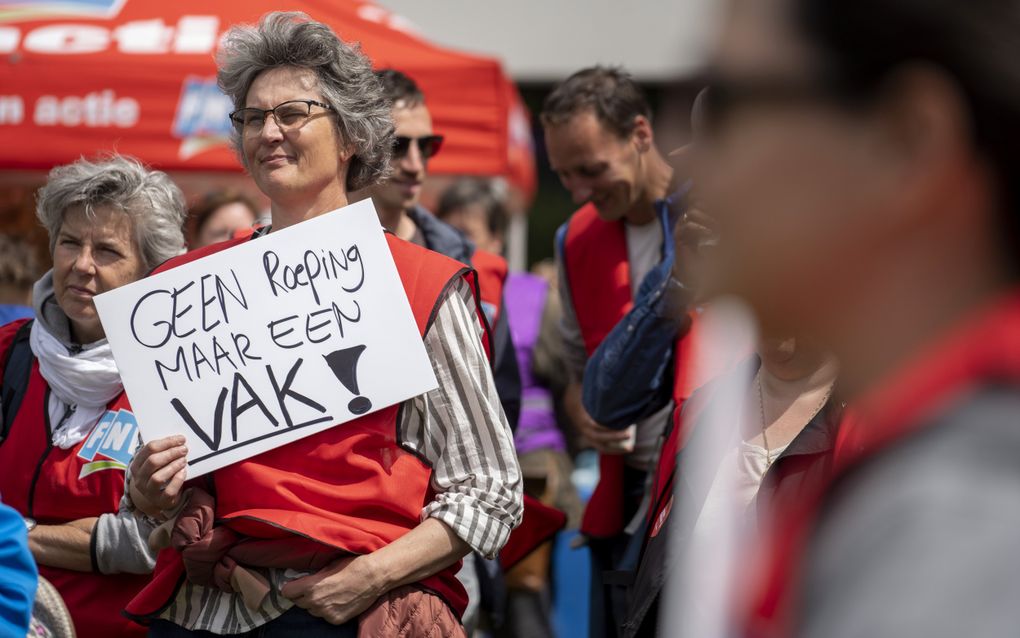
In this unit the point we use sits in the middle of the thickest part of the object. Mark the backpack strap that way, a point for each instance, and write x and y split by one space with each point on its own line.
17 369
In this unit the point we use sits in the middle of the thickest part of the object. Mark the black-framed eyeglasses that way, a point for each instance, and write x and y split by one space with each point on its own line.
428 145
288 115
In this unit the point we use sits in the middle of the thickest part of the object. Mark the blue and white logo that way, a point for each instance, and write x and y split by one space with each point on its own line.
111 444
203 116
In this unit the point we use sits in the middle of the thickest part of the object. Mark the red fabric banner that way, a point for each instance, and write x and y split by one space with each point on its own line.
78 77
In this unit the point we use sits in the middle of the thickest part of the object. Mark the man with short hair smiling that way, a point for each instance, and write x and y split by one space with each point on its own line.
599 137
396 199
397 203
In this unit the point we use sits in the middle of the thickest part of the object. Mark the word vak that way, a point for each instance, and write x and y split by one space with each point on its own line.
268 339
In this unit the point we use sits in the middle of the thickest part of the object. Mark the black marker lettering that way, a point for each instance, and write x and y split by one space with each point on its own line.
276 337
214 442
162 322
206 302
283 392
309 328
181 362
311 275
199 358
240 297
340 316
242 350
177 315
353 254
270 264
219 352
254 400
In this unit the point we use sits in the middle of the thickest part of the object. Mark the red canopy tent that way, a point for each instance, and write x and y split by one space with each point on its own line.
79 77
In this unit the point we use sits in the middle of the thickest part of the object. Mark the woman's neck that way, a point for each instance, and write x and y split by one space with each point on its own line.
288 213
405 228
83 334
794 377
389 217
785 404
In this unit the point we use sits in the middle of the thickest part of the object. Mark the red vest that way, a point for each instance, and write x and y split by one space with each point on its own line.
492 271
598 274
353 487
56 486
686 383
539 522
984 350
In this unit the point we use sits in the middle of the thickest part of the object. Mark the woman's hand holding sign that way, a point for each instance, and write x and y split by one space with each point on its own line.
158 472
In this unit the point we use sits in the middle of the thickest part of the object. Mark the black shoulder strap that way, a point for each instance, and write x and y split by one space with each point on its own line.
17 369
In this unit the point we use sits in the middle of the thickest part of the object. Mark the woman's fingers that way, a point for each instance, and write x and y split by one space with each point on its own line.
156 455
161 477
143 463
172 491
158 470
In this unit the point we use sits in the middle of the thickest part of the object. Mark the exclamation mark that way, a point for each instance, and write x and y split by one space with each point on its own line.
344 364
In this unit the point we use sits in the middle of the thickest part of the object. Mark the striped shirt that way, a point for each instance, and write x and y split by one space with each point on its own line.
459 428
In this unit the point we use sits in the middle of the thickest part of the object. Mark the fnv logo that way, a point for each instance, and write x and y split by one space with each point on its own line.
202 121
29 9
111 444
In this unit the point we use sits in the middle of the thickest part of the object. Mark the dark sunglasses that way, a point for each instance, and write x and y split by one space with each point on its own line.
428 146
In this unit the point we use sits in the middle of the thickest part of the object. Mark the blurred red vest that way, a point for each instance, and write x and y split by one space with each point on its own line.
984 350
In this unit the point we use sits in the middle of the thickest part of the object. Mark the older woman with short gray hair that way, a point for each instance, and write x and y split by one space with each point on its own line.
339 71
68 431
391 500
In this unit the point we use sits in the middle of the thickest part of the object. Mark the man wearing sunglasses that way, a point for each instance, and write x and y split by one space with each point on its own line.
397 203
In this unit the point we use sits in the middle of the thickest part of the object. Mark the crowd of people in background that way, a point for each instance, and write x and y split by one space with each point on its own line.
849 471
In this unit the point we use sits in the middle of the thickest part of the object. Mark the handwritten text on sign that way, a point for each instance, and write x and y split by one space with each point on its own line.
270 341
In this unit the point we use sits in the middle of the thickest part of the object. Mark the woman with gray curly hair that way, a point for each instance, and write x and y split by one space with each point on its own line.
356 530
330 131
68 432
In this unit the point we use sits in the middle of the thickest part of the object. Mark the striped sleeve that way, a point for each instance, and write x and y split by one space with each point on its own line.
461 430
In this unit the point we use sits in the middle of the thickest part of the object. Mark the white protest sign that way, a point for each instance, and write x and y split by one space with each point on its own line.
270 341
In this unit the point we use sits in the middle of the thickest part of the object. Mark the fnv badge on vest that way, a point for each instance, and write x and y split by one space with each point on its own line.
111 443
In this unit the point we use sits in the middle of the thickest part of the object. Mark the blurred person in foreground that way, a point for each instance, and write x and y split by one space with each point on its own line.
601 144
475 207
68 430
436 476
787 427
219 216
397 201
18 272
861 167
